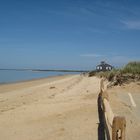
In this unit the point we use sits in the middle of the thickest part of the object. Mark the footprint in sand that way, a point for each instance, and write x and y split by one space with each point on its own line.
52 96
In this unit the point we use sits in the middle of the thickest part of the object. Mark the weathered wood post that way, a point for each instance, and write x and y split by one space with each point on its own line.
102 87
118 128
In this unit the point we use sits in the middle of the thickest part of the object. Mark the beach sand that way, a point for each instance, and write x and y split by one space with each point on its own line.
122 106
57 108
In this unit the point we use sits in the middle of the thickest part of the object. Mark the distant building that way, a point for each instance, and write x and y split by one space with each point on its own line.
104 67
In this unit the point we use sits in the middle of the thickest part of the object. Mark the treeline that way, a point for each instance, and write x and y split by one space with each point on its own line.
47 70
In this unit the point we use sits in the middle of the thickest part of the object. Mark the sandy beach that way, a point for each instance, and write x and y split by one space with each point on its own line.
63 108
57 108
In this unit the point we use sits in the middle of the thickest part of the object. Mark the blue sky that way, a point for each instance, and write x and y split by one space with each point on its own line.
69 34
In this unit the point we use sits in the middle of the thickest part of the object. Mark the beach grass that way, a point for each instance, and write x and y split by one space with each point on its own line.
132 68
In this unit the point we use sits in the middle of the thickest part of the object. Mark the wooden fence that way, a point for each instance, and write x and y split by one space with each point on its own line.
114 126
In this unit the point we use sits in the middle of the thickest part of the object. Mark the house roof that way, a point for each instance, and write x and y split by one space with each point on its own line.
103 63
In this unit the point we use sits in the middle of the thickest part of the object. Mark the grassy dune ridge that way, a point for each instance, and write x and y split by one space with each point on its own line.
132 67
129 71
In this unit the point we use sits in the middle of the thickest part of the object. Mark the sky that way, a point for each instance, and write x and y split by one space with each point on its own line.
68 34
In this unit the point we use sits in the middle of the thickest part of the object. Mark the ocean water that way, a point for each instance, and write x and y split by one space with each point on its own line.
10 76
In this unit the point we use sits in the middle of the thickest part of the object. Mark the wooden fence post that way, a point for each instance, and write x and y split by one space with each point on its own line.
102 85
118 128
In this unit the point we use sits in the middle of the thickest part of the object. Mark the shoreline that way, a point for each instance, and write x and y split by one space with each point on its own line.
6 87
34 79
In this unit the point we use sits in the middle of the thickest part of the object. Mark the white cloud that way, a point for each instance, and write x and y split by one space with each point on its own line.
131 24
91 55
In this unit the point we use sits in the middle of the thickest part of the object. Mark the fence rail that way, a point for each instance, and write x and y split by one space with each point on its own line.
114 126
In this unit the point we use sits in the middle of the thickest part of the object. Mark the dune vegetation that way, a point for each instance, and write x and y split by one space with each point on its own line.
129 72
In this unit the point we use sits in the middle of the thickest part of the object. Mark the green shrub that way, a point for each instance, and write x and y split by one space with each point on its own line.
111 75
92 73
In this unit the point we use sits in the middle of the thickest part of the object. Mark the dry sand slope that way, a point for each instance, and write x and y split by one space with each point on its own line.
122 105
60 109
